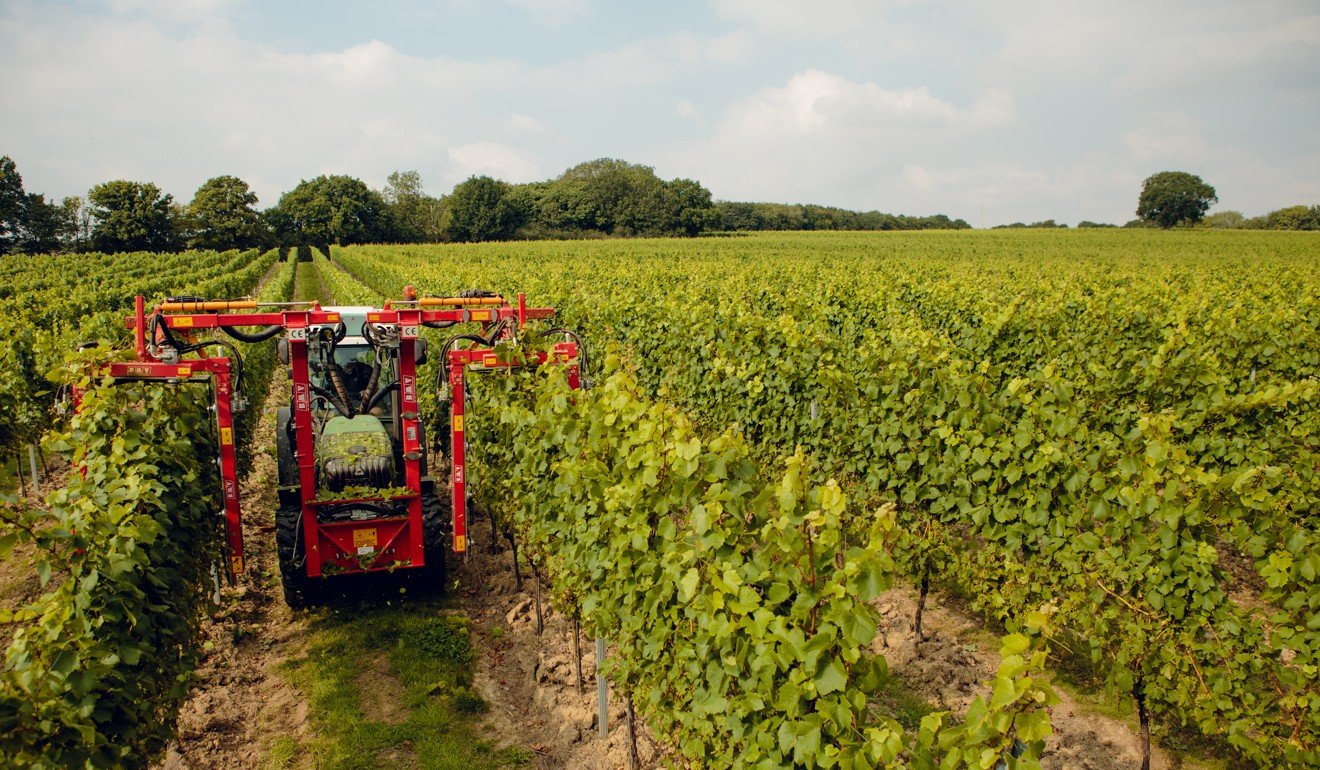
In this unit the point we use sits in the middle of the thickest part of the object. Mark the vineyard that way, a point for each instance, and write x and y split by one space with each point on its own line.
1105 443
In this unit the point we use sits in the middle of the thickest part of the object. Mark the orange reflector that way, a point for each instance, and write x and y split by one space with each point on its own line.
491 360
460 543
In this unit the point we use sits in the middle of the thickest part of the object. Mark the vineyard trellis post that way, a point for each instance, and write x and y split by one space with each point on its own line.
602 691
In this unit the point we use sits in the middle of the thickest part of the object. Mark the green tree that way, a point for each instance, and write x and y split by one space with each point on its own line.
481 209
688 208
1174 197
223 215
1294 218
76 217
417 217
131 216
13 202
1225 220
331 209
43 226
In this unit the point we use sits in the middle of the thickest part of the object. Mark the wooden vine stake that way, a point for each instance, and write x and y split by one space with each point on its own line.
540 621
1143 715
921 603
577 653
18 471
517 576
634 761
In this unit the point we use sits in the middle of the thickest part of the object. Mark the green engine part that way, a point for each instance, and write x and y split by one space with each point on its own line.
355 452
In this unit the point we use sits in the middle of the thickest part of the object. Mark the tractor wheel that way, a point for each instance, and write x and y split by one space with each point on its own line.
299 590
435 542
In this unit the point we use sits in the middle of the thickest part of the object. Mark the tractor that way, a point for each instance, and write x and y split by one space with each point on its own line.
358 487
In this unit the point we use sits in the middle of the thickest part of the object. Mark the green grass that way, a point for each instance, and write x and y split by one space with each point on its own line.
427 690
307 286
283 754
897 699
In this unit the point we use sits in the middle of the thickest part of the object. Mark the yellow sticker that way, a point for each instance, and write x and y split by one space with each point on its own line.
364 538
226 436
458 423
181 321
185 371
491 360
373 318
460 543
480 315
236 565
332 317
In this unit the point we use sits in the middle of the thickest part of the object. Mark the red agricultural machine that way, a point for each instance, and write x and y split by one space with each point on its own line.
356 490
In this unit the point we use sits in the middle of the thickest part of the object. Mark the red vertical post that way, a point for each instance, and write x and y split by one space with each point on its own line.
296 323
457 453
522 310
410 414
224 416
139 314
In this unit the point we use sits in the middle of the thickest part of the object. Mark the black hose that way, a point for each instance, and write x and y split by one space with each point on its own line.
336 373
379 396
493 335
234 355
370 390
582 348
442 371
333 401
261 336
439 324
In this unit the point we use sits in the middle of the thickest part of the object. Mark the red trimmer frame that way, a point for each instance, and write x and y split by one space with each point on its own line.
343 546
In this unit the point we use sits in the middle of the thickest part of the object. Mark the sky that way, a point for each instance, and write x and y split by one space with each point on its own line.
993 112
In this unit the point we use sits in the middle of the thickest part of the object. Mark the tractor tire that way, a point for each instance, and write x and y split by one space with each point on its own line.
430 579
300 591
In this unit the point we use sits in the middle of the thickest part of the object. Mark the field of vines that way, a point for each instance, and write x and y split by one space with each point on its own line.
95 667
1111 436
1105 442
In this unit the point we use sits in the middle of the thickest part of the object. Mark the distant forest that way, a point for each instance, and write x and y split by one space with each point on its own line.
597 199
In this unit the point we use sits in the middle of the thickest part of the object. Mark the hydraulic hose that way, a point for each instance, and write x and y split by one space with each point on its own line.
371 383
234 355
442 371
380 396
337 374
582 348
261 336
333 401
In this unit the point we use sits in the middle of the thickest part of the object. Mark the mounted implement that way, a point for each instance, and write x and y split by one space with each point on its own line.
357 492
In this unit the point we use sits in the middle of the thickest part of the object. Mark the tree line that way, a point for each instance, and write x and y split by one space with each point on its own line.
600 198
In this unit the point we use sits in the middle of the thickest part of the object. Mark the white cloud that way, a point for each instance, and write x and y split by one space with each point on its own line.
867 29
1167 137
686 109
174 10
815 102
523 124
821 134
552 12
492 159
